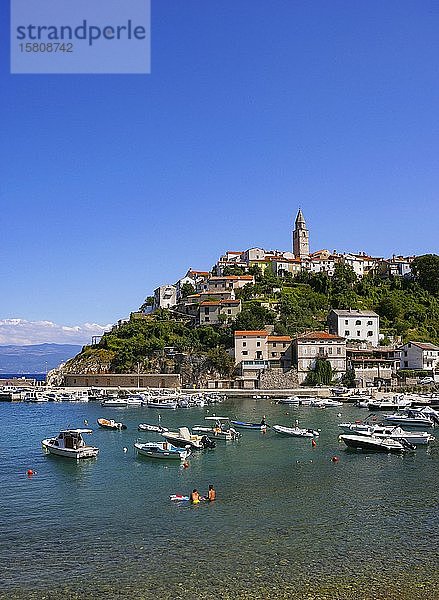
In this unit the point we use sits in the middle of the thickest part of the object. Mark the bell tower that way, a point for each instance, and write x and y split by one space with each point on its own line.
300 237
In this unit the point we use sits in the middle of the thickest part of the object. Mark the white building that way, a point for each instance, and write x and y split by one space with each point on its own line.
308 347
419 355
165 296
359 325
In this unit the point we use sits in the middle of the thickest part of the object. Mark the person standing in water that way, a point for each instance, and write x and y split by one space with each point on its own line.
195 497
211 494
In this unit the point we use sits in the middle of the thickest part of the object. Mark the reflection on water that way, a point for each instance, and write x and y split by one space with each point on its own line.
288 522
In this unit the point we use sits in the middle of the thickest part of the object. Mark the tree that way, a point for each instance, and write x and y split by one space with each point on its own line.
426 271
219 360
187 289
348 378
253 317
322 373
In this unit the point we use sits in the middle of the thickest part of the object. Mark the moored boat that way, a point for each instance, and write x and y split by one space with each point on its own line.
114 403
374 444
295 431
110 424
70 444
162 450
183 437
246 425
148 427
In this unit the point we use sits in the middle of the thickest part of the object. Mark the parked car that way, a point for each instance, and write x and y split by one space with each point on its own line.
426 380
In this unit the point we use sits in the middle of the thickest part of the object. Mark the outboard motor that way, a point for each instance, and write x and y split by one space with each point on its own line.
207 442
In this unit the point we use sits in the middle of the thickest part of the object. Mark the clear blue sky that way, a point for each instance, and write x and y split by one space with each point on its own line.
111 185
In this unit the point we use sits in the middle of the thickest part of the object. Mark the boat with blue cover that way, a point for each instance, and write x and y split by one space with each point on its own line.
162 450
245 425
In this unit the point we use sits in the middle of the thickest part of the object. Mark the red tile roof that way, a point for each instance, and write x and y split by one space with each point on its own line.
210 303
279 338
319 335
253 333
232 277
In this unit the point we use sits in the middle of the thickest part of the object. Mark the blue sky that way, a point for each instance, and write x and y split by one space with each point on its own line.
114 184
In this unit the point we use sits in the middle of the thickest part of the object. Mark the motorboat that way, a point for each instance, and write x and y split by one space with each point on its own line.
395 403
410 419
221 429
375 444
295 431
325 403
35 397
183 437
134 401
114 403
70 444
110 424
246 425
162 404
291 401
394 432
163 450
155 428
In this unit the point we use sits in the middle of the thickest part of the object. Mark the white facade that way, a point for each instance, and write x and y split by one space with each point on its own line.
251 346
419 355
165 296
319 344
359 325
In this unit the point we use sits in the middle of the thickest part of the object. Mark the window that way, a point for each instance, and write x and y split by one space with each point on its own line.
370 333
338 350
274 354
347 333
358 333
206 319
357 322
370 323
245 352
329 350
206 310
258 344
405 352
346 322
274 344
229 311
244 344
406 363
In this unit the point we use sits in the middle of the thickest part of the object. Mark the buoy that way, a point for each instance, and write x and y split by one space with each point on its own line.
338 414
125 449
30 472
313 443
334 459
85 422
185 465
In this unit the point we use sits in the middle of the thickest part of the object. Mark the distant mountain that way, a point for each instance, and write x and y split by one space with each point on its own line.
39 358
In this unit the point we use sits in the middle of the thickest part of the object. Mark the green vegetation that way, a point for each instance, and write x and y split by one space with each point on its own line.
321 374
408 308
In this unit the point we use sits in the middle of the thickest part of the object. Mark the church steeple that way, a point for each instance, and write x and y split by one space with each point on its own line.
300 237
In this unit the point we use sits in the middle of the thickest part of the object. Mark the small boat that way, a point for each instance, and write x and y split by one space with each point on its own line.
291 401
110 424
134 401
295 431
325 403
220 431
395 404
410 420
70 444
114 403
245 425
163 450
396 433
170 404
374 444
183 437
155 428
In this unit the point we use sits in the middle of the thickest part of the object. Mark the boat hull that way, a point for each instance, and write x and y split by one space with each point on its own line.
294 431
76 454
161 454
369 444
243 425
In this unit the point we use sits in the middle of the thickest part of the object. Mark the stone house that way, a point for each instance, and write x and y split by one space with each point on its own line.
419 356
319 344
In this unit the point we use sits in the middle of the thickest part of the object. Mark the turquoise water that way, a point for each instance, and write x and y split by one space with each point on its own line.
288 521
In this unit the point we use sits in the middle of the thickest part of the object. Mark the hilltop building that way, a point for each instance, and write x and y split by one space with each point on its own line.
358 325
300 237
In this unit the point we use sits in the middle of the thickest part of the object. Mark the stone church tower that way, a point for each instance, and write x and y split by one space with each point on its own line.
300 237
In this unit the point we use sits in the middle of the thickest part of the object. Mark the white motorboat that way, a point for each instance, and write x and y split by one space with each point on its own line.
295 431
395 403
380 431
410 420
114 403
35 397
371 443
165 404
162 450
155 428
70 444
183 437
325 403
291 401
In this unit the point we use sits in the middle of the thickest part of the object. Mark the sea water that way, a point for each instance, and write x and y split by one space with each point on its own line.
288 520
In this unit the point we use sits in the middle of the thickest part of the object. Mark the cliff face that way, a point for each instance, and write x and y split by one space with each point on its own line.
89 361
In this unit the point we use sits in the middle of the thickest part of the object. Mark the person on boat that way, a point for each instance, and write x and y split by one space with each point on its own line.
211 494
263 421
195 497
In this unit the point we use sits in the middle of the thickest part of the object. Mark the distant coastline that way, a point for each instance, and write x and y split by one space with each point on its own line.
37 376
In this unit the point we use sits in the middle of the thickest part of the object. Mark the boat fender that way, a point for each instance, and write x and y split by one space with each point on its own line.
335 459
185 465
313 443
125 449
30 472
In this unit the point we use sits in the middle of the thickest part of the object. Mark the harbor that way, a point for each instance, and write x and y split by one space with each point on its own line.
289 520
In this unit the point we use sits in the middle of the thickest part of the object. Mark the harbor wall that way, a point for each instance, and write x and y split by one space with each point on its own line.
126 380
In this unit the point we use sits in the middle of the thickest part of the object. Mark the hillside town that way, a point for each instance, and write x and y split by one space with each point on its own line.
352 341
